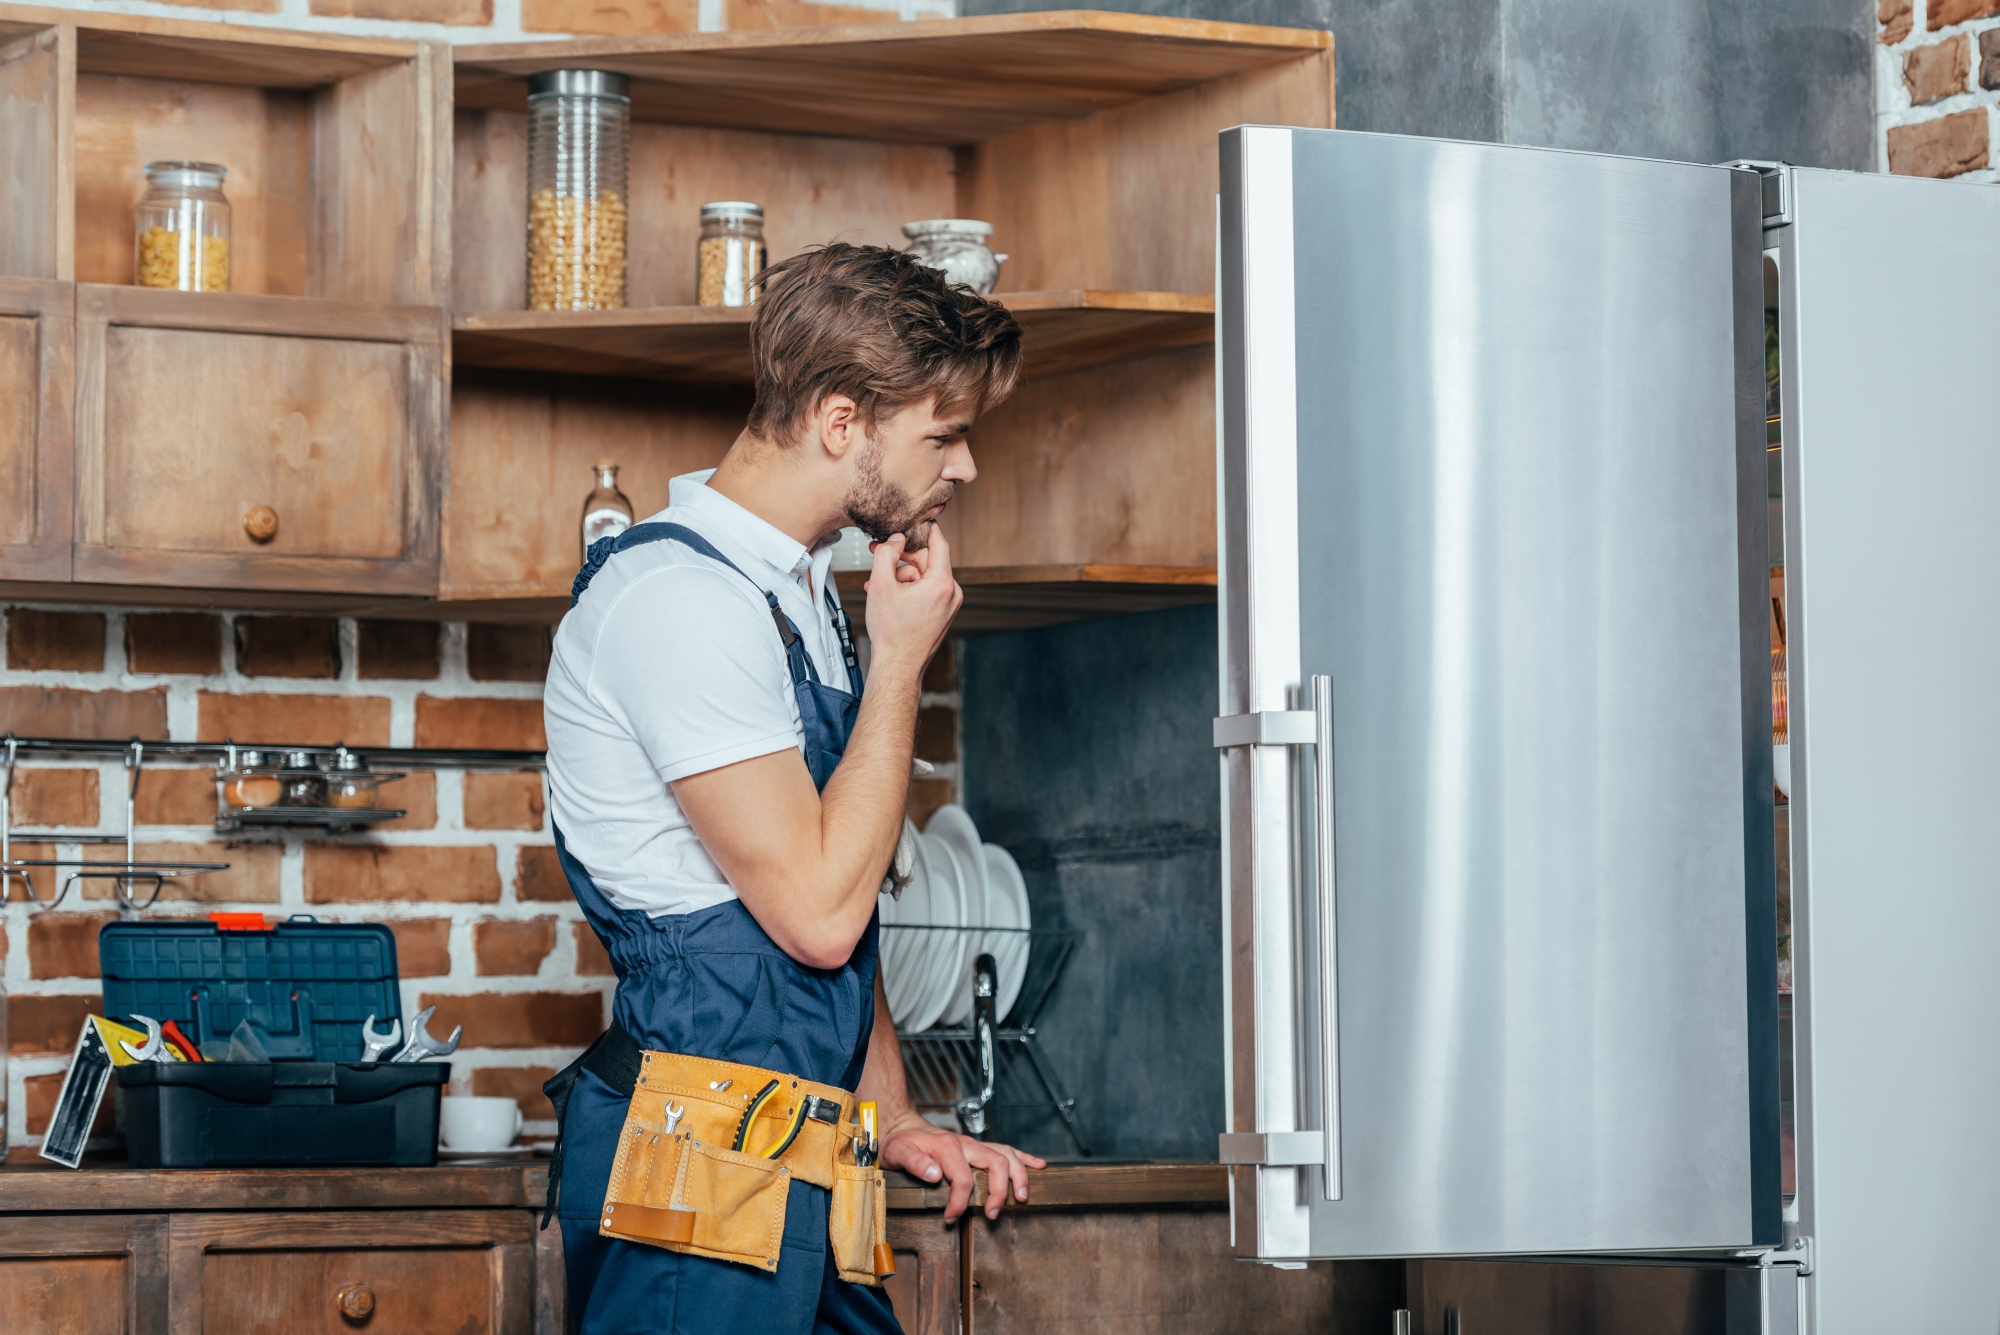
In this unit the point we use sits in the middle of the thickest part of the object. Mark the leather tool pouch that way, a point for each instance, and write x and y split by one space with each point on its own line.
859 1225
683 1194
684 1190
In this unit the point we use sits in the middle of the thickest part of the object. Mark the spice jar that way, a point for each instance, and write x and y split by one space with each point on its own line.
246 784
304 785
577 123
350 787
957 246
731 254
182 235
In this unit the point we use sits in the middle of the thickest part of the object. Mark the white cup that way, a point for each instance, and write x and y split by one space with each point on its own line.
477 1122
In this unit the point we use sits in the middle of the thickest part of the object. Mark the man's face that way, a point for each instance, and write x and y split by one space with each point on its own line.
907 471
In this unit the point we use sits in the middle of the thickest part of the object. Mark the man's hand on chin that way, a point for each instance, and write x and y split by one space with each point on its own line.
928 1152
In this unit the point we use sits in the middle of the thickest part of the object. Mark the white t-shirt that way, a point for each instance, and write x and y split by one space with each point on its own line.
671 665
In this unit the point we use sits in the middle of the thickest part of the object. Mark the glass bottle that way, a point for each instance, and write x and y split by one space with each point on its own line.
181 238
606 512
577 125
731 254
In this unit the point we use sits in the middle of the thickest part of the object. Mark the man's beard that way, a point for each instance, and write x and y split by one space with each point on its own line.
881 509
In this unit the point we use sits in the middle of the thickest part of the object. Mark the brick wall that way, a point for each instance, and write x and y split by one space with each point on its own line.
485 925
526 20
1937 87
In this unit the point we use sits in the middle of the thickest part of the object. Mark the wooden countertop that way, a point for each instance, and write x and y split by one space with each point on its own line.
34 1187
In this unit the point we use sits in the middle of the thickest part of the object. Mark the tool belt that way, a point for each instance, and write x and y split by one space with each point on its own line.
708 1153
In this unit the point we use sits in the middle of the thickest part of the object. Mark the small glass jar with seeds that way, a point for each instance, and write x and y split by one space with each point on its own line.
732 253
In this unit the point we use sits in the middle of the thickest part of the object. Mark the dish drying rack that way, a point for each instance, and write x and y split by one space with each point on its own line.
975 1071
133 874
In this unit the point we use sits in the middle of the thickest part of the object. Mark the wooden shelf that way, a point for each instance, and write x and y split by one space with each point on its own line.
1064 331
945 82
1022 597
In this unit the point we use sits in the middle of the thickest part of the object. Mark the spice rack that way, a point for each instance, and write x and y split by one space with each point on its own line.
133 872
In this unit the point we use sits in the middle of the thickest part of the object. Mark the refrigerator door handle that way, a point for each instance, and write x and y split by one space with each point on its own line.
1329 954
1305 727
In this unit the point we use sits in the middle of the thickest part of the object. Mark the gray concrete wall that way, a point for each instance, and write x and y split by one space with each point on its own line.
1695 80
1087 757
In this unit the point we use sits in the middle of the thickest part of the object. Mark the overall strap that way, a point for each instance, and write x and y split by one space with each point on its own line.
846 639
640 534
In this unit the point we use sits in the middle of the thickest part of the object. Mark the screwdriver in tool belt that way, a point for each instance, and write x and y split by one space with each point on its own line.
866 1148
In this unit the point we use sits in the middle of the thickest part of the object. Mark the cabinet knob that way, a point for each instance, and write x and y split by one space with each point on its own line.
261 523
357 1301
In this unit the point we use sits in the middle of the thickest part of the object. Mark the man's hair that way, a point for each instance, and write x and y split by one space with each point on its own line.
881 328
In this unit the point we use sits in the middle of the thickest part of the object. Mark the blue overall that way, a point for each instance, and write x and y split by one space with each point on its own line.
712 984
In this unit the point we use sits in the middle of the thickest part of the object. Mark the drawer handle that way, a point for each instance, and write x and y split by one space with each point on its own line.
357 1301
261 523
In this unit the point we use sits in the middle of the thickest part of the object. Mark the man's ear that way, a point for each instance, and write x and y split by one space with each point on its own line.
837 423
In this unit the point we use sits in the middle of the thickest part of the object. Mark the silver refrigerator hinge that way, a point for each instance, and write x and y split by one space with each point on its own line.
1275 727
1272 1149
1777 190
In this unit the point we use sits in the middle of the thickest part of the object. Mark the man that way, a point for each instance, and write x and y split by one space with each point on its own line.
727 796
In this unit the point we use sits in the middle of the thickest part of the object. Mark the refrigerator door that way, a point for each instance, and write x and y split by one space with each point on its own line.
1892 487
1493 465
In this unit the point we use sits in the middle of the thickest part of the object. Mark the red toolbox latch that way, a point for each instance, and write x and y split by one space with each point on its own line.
240 922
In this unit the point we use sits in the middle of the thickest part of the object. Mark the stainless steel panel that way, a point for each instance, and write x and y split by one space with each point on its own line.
1530 528
1893 559
1537 1298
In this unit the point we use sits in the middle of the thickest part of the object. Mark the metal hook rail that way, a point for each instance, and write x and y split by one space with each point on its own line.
127 876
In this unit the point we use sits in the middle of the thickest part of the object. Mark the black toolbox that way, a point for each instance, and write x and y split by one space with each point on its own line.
310 985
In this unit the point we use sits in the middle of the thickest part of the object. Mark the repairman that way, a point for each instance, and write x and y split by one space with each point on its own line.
728 797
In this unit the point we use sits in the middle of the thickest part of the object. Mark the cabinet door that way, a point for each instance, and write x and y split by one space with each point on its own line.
257 442
36 348
394 1272
1494 510
97 1273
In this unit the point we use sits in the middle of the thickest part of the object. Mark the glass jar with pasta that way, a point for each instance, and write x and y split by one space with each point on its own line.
732 253
577 125
182 235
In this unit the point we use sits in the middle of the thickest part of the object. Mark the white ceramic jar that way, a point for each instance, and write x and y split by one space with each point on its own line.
957 246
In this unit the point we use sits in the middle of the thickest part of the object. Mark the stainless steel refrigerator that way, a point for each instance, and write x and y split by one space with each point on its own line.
1542 475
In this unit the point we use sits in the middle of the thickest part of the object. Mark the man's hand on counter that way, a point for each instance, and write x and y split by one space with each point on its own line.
930 1152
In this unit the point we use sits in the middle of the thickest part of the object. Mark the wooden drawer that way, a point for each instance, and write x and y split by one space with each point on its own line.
197 410
423 1272
36 349
418 1290
97 1273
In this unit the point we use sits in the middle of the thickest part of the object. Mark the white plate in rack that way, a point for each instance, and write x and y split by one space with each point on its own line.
1007 906
907 954
947 955
951 825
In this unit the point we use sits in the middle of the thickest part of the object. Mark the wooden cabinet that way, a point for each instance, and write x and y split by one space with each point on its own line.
237 441
312 390
36 364
445 1251
377 185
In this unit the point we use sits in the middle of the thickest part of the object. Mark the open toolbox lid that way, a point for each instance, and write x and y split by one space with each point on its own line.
309 984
